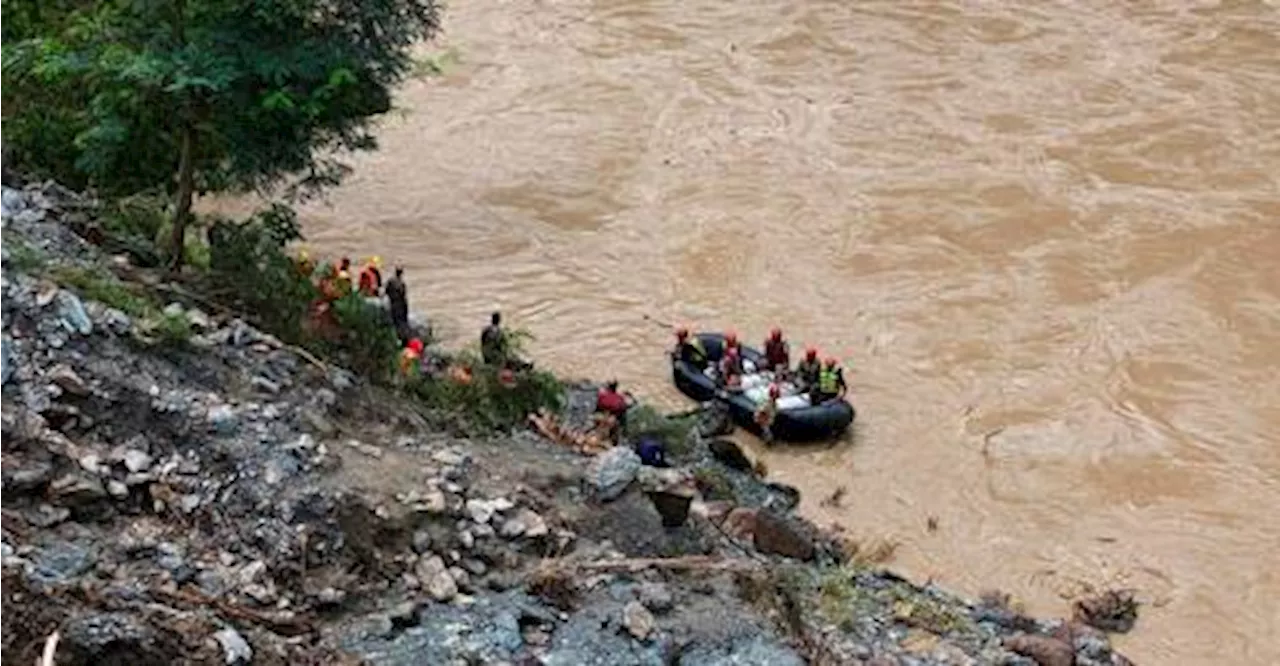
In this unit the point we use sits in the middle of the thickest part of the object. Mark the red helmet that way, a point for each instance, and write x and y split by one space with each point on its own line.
831 361
416 345
811 353
775 334
682 333
731 339
774 391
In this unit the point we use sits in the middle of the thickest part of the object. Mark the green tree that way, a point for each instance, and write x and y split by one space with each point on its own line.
196 96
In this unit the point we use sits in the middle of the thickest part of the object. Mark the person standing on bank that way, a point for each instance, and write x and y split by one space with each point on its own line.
398 302
493 341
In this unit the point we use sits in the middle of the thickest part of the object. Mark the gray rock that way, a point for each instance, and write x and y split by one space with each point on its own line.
235 649
638 620
612 471
77 489
656 597
223 419
252 571
136 461
6 360
46 515
66 379
59 562
103 637
265 385
172 310
71 312
331 596
404 615
117 489
481 511
435 575
451 457
525 523
169 556
116 322
467 540
199 319
29 476
421 542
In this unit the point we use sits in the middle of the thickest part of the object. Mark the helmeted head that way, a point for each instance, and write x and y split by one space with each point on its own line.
344 264
811 353
612 385
774 391
495 318
376 261
399 271
682 333
776 334
831 362
731 339
416 345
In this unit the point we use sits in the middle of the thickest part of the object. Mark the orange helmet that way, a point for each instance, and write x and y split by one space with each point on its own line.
775 334
810 353
831 361
774 391
682 333
731 339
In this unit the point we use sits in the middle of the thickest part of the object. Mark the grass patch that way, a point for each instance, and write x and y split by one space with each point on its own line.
26 258
842 599
714 484
99 285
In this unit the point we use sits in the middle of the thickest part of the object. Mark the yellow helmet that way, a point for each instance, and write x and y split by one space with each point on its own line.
376 261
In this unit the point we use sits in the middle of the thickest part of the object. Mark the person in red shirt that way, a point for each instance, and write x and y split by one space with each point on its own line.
777 355
613 405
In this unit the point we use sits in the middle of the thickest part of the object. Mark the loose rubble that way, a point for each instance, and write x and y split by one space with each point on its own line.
226 502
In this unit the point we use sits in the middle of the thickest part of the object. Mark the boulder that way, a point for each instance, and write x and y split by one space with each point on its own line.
235 649
638 620
614 470
730 455
1044 650
776 536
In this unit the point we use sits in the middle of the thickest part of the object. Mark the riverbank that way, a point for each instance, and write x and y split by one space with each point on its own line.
182 487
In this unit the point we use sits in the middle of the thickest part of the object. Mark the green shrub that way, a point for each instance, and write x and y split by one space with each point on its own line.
248 267
25 258
368 344
485 402
674 430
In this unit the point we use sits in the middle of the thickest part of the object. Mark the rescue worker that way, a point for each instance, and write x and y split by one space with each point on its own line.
613 406
731 368
807 370
777 355
371 277
304 263
767 412
341 283
493 341
411 357
690 349
731 342
830 383
398 303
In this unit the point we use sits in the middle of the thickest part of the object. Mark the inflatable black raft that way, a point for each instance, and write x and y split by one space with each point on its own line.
806 423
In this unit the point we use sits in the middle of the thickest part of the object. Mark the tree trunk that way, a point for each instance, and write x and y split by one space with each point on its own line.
186 191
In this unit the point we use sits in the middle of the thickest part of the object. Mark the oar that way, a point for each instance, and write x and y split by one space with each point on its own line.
659 322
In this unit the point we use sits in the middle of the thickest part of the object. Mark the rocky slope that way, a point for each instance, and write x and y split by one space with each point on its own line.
218 498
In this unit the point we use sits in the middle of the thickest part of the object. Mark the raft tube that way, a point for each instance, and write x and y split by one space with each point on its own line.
802 424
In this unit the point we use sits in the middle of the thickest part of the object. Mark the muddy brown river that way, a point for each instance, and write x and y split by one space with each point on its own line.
1043 236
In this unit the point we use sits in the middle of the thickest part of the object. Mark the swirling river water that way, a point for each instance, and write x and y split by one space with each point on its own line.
1043 236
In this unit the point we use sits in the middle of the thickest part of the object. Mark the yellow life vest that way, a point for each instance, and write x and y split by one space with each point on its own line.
829 381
